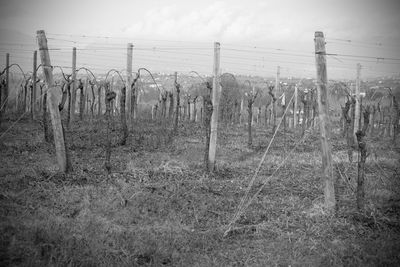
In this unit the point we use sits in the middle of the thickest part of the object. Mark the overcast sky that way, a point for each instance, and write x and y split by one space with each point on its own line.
252 33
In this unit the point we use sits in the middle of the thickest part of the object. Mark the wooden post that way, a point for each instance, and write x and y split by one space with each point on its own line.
323 108
357 108
295 107
33 92
129 103
215 103
73 93
53 105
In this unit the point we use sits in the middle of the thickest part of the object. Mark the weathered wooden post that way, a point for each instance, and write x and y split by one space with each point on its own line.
53 105
323 111
73 93
215 103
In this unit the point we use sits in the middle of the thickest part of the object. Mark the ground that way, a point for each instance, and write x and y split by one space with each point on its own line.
159 207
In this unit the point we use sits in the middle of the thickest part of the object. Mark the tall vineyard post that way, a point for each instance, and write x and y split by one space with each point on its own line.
215 103
323 106
53 107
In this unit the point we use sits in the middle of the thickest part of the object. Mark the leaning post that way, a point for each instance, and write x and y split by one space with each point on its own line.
53 105
323 108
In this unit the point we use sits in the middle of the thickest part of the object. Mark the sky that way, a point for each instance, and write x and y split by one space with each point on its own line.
178 35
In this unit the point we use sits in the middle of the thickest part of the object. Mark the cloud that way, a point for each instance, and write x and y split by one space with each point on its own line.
222 21
216 21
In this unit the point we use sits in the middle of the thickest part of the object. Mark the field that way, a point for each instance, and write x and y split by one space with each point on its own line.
159 207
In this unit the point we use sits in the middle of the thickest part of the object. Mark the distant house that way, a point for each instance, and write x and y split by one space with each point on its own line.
154 86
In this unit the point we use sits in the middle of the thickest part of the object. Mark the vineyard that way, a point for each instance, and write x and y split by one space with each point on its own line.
125 166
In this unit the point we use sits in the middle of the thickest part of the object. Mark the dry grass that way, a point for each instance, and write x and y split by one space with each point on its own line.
158 207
